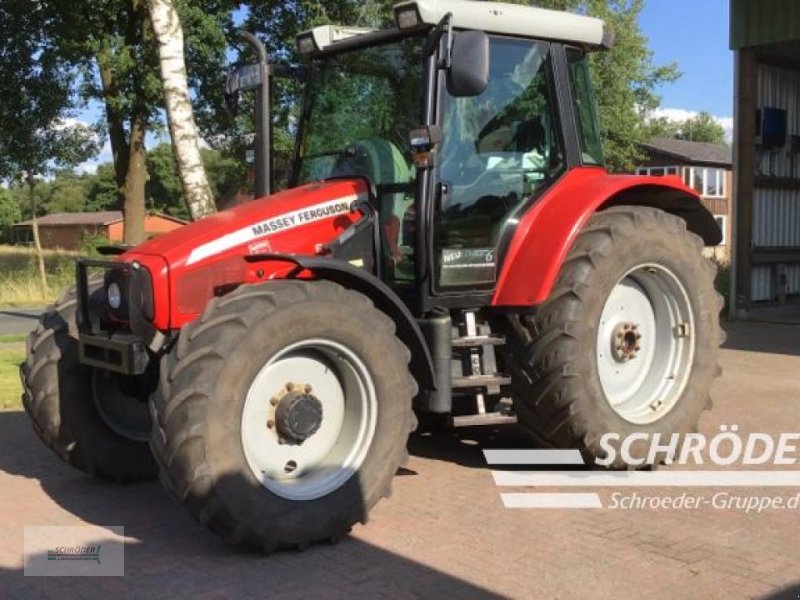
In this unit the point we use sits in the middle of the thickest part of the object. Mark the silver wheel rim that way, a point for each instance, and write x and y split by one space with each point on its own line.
645 344
125 415
323 462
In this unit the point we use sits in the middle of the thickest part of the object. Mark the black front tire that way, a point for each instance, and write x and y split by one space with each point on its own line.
198 411
58 397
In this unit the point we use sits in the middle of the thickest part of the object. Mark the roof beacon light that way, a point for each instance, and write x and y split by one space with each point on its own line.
305 43
407 16
319 38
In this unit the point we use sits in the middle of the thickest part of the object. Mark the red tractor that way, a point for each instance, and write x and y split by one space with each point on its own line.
450 245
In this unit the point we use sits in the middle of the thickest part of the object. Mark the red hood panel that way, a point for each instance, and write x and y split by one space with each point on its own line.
272 224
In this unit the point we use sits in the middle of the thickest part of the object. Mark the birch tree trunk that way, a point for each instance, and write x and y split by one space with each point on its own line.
185 140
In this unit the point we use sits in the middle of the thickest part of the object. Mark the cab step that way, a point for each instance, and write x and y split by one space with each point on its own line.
492 418
480 381
476 341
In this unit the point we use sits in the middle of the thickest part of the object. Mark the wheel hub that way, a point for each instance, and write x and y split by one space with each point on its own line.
645 343
298 416
294 447
626 341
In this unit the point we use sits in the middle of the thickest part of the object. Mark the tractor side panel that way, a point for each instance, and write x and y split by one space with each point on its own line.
547 231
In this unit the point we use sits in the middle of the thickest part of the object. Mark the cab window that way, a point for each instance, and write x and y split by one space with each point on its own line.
584 102
498 149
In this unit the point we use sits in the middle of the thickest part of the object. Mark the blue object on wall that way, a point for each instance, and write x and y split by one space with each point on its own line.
771 127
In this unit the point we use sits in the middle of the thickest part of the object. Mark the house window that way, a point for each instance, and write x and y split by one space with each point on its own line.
707 182
658 171
722 222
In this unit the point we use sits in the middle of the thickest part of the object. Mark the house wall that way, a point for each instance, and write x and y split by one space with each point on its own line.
66 237
116 232
70 237
154 225
717 206
768 185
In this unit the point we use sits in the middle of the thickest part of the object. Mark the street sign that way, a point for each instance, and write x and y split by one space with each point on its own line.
244 78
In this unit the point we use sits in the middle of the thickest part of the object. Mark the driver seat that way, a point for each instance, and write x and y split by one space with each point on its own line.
382 163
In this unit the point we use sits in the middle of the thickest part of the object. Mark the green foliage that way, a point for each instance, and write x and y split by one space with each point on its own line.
703 127
10 385
102 190
107 51
10 212
68 191
625 82
226 174
164 192
19 282
35 135
91 242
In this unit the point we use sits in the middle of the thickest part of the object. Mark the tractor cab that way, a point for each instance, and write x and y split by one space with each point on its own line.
459 118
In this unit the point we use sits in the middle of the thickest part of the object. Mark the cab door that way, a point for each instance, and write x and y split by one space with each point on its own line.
498 150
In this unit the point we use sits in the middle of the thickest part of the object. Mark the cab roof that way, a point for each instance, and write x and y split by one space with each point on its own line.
492 17
510 19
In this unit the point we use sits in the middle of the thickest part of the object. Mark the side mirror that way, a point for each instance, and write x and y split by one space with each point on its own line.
469 66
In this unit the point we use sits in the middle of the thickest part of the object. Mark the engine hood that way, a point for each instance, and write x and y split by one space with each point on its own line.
291 221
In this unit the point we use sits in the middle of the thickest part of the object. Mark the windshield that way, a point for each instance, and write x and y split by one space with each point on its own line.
361 106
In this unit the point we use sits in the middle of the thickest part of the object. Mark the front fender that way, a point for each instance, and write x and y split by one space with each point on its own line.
382 297
546 232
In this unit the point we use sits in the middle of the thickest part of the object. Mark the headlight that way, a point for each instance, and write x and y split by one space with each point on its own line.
114 294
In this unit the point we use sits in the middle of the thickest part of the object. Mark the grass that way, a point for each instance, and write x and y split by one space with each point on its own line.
12 339
10 386
19 276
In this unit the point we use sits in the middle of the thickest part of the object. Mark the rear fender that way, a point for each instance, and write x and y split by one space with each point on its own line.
382 297
546 232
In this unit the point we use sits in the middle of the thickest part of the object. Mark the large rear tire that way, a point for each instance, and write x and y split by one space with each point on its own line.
92 419
283 413
627 341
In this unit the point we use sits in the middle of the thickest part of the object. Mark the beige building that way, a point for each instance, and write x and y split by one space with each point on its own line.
704 167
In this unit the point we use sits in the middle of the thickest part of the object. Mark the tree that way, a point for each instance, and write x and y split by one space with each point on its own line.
10 213
701 128
101 193
164 191
185 139
37 135
109 46
625 81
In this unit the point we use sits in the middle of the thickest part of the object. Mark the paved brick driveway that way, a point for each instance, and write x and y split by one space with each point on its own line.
444 533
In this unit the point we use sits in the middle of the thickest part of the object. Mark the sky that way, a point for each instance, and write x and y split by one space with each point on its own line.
693 33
